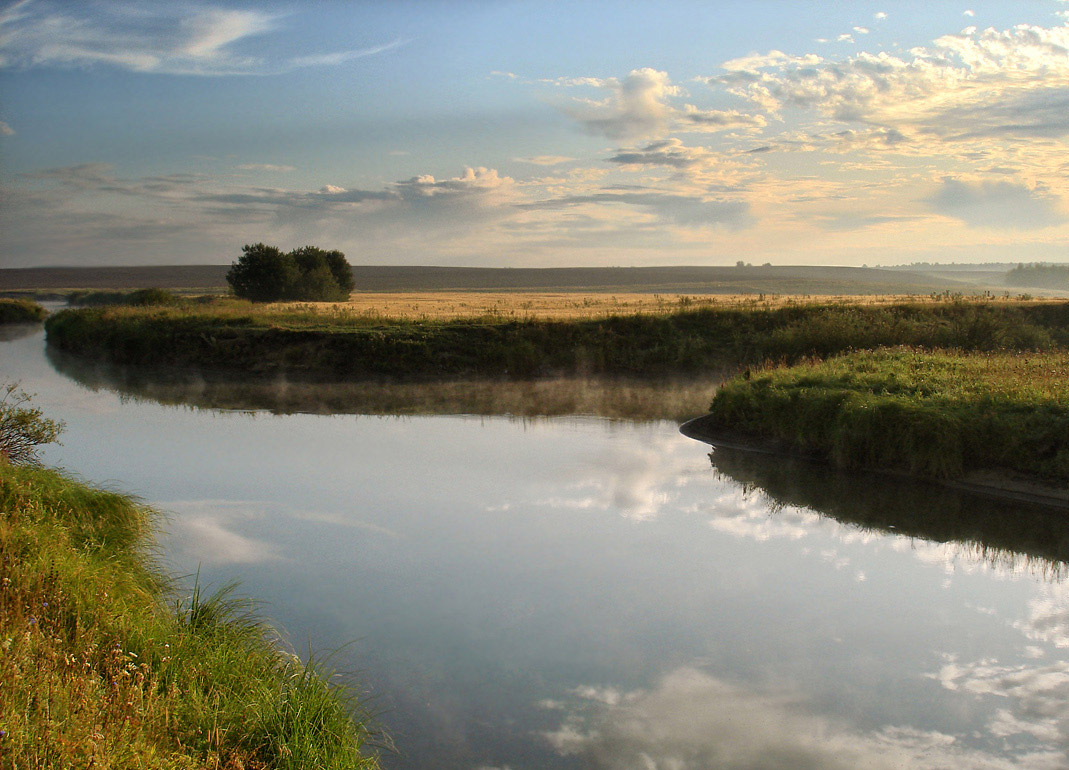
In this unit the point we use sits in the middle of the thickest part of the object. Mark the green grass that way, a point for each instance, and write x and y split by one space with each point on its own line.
98 670
137 298
13 311
343 343
931 413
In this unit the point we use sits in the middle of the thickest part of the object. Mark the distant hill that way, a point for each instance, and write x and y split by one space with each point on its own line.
664 280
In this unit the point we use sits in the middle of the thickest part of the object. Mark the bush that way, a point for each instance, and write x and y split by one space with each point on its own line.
265 274
22 428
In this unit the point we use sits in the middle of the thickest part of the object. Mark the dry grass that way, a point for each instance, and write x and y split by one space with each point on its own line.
572 305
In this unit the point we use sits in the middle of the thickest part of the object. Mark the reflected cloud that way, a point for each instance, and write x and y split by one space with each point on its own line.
207 531
691 719
639 483
1039 697
214 532
1048 616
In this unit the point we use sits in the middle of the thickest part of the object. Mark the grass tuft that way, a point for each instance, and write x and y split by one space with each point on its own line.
97 670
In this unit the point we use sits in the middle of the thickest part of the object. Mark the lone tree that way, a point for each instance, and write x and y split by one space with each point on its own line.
265 274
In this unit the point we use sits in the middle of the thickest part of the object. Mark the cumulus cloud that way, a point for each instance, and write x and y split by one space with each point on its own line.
637 106
996 204
1013 81
155 38
6 130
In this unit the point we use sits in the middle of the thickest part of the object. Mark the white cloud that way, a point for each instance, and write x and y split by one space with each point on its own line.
176 39
637 106
6 130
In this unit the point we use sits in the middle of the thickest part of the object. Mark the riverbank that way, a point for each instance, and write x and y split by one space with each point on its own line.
335 343
99 670
997 419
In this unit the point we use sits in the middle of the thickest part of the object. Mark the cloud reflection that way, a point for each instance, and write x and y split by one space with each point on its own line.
691 719
207 531
639 482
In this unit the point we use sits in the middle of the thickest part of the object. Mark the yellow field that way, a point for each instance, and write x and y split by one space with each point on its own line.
570 305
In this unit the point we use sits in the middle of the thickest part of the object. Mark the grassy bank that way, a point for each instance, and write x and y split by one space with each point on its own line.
941 414
16 311
98 671
341 343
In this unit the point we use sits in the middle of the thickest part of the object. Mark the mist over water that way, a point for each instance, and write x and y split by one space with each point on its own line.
578 591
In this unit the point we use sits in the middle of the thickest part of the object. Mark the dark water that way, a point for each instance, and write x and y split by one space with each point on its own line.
575 591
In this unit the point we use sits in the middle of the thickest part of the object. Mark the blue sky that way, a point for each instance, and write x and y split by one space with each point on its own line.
535 133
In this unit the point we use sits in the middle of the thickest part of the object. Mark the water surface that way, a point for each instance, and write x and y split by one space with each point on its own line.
578 591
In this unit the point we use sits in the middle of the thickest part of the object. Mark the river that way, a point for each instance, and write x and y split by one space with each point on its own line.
515 591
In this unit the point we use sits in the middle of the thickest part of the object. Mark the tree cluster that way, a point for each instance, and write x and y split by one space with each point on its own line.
309 274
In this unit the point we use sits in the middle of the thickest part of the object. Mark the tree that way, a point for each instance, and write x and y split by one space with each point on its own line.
325 275
265 274
22 427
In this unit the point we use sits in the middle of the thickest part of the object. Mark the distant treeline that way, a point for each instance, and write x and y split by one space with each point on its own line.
777 279
1039 276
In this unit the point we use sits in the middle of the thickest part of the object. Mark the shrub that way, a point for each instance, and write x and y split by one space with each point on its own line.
22 428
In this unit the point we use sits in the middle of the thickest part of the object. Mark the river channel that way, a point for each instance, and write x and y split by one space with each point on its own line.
587 591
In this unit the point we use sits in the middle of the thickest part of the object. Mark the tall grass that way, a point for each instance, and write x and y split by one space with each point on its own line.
939 414
15 311
340 343
97 670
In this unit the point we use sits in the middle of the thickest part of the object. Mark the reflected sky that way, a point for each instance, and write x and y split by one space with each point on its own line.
579 592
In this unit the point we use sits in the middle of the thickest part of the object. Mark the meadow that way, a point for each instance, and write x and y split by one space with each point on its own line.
942 414
677 336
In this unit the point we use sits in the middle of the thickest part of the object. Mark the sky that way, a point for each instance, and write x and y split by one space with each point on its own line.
535 134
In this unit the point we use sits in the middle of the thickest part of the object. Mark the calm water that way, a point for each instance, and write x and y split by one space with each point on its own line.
583 592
